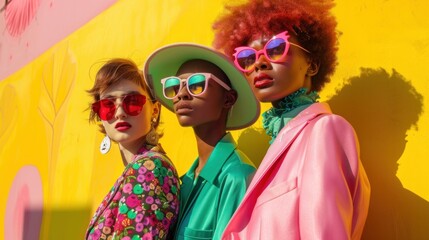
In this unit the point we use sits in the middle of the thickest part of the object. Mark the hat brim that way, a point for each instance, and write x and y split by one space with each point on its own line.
167 60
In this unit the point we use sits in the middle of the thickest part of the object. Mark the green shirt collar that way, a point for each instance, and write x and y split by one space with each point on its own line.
220 154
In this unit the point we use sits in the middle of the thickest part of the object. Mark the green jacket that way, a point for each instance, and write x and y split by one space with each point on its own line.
208 202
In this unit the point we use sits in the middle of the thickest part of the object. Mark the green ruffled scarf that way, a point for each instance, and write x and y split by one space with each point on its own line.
275 118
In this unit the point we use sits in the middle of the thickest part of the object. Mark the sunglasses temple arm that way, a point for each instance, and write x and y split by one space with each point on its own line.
220 82
296 45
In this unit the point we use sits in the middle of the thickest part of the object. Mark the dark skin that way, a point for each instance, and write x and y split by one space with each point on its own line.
286 77
207 113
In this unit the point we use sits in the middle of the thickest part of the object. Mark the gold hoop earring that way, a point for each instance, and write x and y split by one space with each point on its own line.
152 136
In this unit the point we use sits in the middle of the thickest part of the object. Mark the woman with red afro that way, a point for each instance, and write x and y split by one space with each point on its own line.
311 183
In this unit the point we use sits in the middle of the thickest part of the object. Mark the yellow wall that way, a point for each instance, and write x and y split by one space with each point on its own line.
381 87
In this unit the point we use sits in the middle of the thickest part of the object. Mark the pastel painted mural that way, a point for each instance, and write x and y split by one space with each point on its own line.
23 217
19 14
30 27
53 174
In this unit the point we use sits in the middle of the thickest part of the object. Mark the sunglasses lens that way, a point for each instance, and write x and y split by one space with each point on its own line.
106 109
275 49
197 84
133 104
171 87
246 58
96 107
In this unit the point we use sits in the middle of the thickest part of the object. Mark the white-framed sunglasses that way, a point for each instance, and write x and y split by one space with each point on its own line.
196 84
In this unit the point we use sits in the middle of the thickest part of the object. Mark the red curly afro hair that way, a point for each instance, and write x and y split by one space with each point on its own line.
310 21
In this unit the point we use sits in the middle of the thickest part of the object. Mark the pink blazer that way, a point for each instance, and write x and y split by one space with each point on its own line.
310 184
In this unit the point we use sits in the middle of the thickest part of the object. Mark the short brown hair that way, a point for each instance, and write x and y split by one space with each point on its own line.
112 72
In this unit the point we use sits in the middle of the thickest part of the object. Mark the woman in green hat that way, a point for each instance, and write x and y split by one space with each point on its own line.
200 86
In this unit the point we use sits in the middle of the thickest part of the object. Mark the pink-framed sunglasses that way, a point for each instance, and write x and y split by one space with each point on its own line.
275 50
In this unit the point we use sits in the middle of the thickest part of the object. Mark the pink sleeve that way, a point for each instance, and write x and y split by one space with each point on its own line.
328 180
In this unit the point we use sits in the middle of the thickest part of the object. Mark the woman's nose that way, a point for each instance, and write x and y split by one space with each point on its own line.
262 63
120 112
183 92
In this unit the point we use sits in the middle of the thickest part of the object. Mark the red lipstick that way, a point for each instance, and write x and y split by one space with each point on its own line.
263 80
122 126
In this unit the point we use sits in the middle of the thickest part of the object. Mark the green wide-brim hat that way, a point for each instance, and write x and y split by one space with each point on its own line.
167 60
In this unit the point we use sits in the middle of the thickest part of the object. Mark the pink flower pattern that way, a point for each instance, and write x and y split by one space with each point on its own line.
132 210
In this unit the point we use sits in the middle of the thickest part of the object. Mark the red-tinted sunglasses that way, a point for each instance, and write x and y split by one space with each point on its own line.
106 108
275 50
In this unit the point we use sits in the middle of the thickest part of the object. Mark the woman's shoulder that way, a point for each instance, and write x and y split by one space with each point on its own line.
238 165
151 155
154 159
331 121
329 128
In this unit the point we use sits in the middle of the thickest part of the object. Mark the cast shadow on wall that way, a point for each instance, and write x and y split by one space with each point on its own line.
63 223
254 142
382 107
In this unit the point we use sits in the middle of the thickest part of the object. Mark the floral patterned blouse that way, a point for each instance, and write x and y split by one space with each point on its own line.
143 203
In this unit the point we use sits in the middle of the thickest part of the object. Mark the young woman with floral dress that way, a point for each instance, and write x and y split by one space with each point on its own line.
143 203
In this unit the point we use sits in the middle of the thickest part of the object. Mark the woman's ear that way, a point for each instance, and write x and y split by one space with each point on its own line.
230 98
313 68
156 110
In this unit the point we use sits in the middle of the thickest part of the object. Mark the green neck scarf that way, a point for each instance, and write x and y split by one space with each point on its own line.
275 118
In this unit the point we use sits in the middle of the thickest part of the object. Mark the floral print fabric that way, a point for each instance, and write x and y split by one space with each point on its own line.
143 203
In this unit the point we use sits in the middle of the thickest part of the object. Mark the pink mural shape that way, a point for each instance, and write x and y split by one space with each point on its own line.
48 23
19 14
24 209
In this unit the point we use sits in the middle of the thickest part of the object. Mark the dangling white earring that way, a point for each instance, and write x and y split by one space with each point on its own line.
152 136
105 145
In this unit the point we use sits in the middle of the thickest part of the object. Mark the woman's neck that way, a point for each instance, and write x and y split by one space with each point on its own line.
207 138
129 150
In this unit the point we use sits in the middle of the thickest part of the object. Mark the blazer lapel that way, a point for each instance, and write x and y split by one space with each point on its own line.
274 153
285 138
